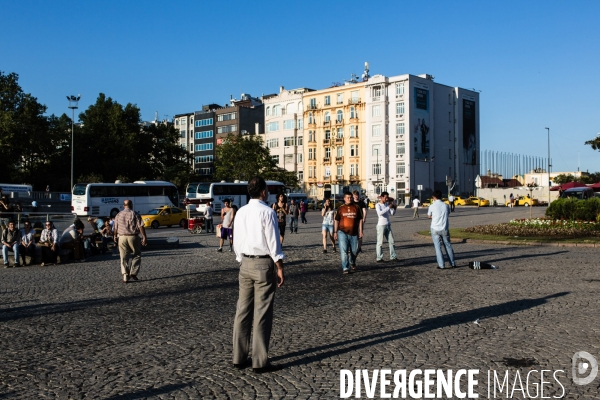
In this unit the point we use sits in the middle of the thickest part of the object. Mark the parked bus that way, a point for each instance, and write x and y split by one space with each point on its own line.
200 193
106 199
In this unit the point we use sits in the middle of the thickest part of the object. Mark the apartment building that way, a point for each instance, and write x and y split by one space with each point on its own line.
184 123
284 129
420 136
241 117
204 139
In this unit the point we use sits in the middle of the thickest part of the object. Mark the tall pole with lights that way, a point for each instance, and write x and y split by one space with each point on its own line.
73 101
549 165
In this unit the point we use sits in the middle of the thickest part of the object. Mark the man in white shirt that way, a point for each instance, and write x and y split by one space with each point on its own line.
438 213
208 218
451 201
258 249
384 228
416 202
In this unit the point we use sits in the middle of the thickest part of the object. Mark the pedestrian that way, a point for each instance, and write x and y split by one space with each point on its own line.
49 243
416 203
347 230
208 218
34 206
11 239
127 228
438 213
281 209
227 217
27 247
384 228
363 208
328 214
451 201
261 271
72 239
294 212
511 198
303 210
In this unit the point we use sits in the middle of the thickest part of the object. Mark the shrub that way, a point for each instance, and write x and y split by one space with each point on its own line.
572 209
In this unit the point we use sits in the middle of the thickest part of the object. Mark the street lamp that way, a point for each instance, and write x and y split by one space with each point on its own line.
73 100
549 165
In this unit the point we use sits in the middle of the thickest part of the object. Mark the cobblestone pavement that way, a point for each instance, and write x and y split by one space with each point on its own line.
75 331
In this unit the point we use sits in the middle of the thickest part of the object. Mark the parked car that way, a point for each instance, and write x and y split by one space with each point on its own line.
581 193
479 200
164 216
461 201
524 201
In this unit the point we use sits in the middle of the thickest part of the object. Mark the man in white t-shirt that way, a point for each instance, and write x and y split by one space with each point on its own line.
416 204
438 213
384 228
451 201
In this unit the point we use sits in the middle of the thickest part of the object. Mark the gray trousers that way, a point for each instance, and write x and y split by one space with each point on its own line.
130 246
254 311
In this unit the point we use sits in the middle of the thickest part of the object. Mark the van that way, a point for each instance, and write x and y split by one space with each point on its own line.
581 193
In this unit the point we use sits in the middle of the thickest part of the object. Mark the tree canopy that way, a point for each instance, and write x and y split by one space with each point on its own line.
595 143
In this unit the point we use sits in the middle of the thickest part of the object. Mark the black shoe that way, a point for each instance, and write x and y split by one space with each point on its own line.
133 277
244 364
324 251
267 368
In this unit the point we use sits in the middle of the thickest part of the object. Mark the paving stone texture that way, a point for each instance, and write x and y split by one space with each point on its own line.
75 331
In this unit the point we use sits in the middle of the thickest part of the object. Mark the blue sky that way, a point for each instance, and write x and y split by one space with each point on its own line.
537 63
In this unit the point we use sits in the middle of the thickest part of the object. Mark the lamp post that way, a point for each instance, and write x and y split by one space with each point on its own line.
73 100
549 165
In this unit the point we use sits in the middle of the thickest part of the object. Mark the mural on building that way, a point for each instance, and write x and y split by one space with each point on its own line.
421 127
469 132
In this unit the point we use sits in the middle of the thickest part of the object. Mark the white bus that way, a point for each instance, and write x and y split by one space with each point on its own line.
200 193
106 199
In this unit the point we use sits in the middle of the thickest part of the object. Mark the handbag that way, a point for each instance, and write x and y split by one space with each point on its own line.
218 230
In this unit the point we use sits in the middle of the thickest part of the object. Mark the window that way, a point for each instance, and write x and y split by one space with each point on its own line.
450 154
183 146
182 133
272 143
204 122
399 88
268 111
310 118
376 169
376 91
376 150
449 99
300 124
183 121
300 175
327 171
203 135
327 135
273 126
340 116
204 147
353 151
400 168
449 117
354 96
289 124
340 170
226 117
227 128
327 117
177 122
275 158
352 169
340 98
340 151
191 147
312 154
310 172
299 140
376 111
299 158
313 103
327 152
400 108
351 112
400 128
340 133
204 171
276 111
313 191
450 135
376 130
311 136
352 131
288 141
400 187
200 159
400 148
327 100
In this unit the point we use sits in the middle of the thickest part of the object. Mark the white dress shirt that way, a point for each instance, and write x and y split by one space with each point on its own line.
256 232
384 211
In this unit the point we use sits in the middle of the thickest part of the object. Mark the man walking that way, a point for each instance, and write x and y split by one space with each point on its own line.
227 216
384 227
416 202
348 228
363 209
294 211
208 218
258 249
438 213
128 225
451 201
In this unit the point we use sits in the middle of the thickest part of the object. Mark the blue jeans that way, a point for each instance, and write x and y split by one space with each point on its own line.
293 224
438 237
14 249
347 242
385 231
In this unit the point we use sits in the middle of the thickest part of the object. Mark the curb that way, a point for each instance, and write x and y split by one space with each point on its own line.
514 243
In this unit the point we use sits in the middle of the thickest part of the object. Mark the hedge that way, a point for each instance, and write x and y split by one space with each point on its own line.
573 209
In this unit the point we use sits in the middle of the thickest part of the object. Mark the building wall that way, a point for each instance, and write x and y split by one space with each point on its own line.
205 140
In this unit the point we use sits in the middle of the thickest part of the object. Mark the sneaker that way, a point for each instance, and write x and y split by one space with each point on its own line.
230 249
220 249
42 265
324 251
353 267
346 272
6 265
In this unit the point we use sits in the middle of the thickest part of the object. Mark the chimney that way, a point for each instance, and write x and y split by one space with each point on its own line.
281 88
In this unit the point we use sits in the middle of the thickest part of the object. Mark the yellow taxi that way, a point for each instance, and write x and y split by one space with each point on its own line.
164 216
524 201
461 201
479 200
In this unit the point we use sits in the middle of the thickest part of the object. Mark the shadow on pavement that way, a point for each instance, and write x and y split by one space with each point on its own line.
142 394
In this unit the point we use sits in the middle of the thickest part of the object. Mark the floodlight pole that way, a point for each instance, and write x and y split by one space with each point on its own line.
73 101
549 165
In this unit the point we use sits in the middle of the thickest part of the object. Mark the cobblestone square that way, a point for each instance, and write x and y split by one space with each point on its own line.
75 331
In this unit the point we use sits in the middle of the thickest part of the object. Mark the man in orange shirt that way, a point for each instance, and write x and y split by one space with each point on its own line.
348 228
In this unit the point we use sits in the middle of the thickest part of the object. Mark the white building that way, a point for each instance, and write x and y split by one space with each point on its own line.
419 134
284 129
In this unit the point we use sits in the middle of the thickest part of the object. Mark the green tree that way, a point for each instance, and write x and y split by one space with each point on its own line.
563 178
595 143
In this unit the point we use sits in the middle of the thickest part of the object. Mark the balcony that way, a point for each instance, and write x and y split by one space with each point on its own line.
326 123
340 102
354 101
312 107
400 136
327 178
339 140
339 121
312 144
339 160
354 178
326 160
339 177
326 141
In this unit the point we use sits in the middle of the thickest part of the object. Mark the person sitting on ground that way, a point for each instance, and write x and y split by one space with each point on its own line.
11 239
27 246
97 225
107 235
72 239
49 243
